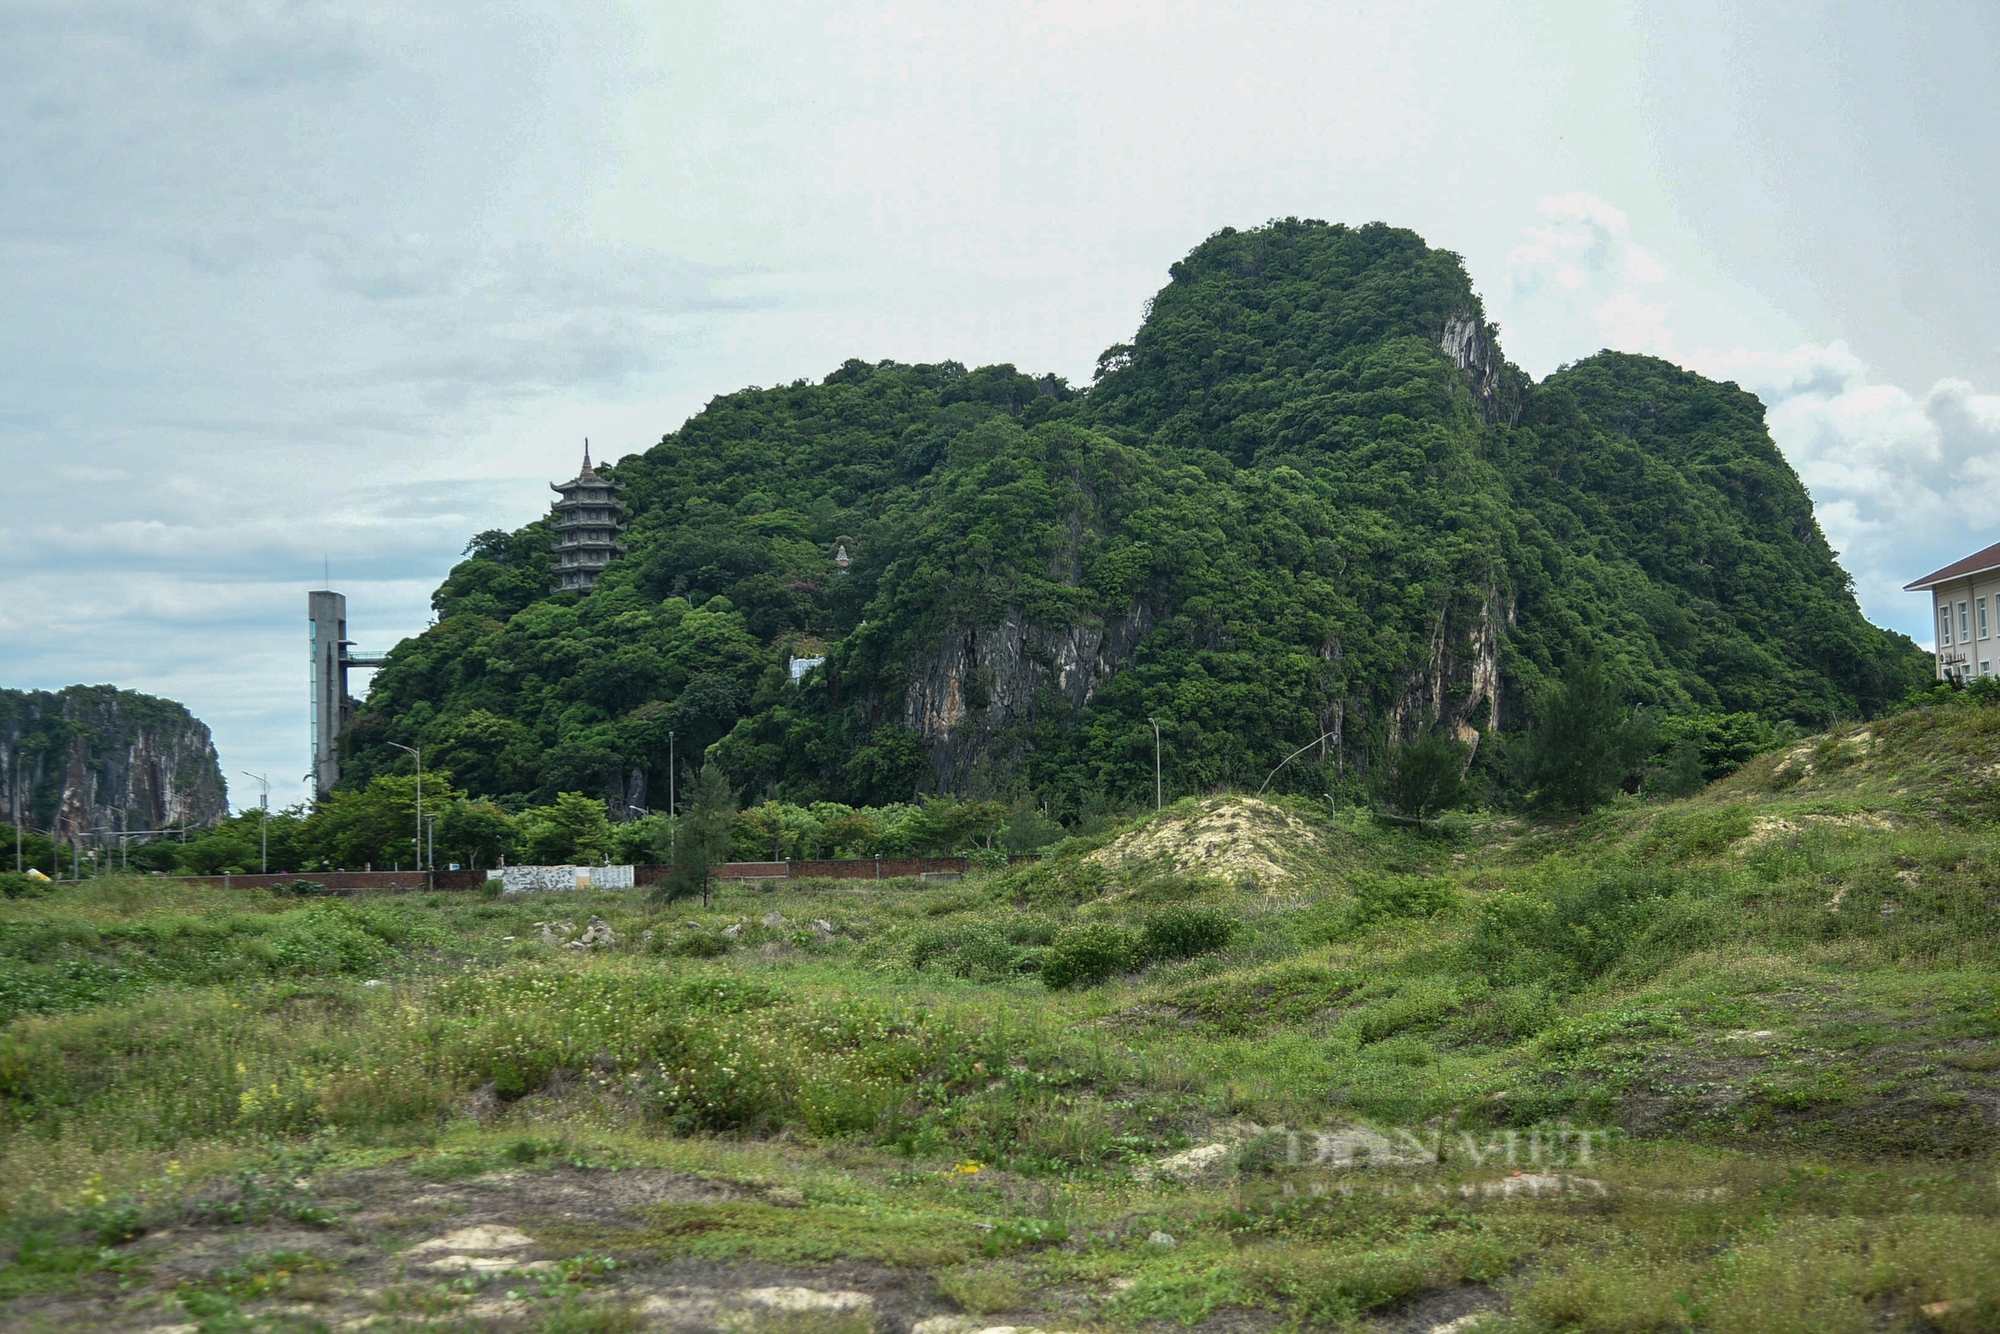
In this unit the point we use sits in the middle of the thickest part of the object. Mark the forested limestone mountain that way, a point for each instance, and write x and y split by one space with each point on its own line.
1309 498
96 757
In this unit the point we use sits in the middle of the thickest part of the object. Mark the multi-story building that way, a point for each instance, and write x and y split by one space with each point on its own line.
588 519
1965 608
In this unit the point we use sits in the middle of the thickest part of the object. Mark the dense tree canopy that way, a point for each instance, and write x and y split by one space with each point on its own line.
1291 507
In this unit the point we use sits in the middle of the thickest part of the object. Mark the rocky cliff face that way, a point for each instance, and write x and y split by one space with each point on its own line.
974 698
95 757
1469 342
981 688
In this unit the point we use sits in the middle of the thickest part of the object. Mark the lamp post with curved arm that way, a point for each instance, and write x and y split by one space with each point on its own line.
264 825
418 752
1159 801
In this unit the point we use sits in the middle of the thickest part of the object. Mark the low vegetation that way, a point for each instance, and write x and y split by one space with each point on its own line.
1724 1063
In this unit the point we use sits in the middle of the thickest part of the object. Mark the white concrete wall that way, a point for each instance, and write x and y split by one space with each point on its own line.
549 879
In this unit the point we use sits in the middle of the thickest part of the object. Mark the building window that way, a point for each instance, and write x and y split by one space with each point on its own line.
1985 667
1944 627
1964 625
1982 619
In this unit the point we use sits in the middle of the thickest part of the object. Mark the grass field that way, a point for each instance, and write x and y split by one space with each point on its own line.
1724 1064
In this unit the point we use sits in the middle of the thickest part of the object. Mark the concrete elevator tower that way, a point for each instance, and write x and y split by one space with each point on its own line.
332 655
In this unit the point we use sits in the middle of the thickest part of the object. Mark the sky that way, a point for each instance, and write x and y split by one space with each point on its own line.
295 290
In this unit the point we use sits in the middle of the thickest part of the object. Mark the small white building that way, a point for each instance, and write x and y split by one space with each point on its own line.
1965 608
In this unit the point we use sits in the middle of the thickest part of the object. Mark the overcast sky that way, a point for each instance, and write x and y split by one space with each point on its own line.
286 282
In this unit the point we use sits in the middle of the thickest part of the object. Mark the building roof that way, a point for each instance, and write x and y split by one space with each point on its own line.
1979 562
588 477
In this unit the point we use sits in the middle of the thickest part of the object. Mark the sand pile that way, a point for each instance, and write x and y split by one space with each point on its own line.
1231 837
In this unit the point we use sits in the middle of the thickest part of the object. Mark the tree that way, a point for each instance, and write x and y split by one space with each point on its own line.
1422 778
218 851
702 838
1586 745
478 832
1678 773
941 824
572 830
377 825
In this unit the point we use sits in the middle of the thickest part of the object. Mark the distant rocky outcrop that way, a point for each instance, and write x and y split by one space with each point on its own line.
96 757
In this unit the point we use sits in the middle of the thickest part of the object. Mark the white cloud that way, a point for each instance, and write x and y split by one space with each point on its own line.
293 276
1582 245
1902 482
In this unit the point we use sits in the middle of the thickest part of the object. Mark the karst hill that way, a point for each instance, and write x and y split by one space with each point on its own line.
1310 497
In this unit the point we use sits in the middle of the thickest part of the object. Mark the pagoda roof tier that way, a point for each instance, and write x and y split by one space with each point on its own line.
589 476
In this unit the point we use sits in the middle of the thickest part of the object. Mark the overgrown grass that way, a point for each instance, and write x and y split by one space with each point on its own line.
1783 990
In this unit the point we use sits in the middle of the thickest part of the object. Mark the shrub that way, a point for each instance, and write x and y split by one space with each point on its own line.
1422 779
19 885
983 949
699 945
1086 955
1184 933
1388 899
1578 931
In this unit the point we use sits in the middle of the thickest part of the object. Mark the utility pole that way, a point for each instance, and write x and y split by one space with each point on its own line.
1159 798
264 824
418 752
431 840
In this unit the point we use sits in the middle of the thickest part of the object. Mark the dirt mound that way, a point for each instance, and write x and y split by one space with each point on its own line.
1767 828
1236 838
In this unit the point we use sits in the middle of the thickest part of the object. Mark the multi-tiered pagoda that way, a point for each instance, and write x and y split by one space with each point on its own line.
587 523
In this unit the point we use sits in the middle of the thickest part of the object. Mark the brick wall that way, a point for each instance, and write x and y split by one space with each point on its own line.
347 882
841 868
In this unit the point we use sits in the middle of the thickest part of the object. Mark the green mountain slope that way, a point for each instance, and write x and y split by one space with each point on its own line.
1310 498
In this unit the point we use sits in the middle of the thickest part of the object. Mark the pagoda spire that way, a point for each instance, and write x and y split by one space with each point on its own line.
588 519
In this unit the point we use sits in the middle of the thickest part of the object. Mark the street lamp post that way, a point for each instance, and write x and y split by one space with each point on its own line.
418 752
263 824
1159 790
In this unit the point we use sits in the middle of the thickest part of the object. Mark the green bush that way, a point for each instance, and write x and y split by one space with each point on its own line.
983 949
1399 897
699 945
20 885
1577 931
1086 955
1183 933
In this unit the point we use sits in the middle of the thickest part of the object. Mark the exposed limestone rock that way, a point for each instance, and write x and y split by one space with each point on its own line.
1468 341
984 684
96 757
